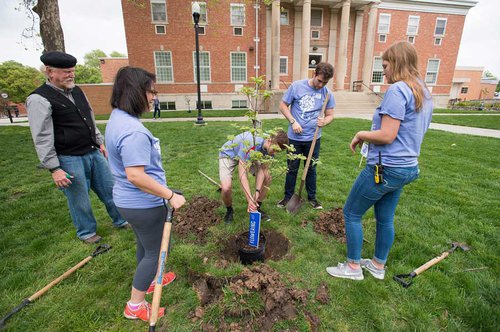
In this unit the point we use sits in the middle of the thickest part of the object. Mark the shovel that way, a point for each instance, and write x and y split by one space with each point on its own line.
296 200
406 280
212 181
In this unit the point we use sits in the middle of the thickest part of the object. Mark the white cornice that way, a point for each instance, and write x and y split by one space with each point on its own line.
456 7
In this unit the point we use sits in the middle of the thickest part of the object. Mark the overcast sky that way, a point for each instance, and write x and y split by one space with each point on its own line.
98 24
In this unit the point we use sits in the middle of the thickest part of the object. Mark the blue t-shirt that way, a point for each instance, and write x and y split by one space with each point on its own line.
241 146
306 104
399 104
129 143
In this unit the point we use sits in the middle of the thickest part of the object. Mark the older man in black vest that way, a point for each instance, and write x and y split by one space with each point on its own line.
69 144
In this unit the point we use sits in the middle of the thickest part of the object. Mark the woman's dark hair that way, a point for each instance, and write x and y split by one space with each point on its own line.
130 88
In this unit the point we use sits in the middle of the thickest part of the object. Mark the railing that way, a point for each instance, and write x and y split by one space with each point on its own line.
357 84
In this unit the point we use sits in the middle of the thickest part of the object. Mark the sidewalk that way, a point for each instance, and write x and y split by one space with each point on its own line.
23 121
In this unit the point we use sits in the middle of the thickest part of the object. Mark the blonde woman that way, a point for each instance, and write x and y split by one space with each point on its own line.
398 128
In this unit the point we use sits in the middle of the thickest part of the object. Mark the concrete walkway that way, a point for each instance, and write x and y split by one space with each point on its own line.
23 121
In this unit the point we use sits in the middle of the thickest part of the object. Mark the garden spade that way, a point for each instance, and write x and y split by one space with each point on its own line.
406 280
212 181
296 200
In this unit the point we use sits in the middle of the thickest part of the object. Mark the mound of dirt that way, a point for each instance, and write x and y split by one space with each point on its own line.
330 223
194 218
233 297
277 246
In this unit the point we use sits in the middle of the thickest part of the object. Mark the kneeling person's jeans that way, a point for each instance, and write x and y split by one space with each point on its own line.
384 197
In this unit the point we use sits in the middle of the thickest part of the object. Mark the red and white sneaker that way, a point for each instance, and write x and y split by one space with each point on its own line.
142 313
167 279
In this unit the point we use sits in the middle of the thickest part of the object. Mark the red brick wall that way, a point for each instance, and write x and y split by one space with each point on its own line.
474 85
487 91
110 66
99 96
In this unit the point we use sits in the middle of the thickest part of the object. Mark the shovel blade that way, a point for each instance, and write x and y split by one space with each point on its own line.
294 204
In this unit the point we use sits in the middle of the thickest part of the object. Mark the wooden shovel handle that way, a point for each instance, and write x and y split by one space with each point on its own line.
313 144
431 263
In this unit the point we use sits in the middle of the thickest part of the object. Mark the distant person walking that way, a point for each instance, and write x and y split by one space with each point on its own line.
301 105
69 144
141 187
398 128
156 105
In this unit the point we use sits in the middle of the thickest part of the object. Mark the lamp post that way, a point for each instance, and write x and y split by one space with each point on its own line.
196 19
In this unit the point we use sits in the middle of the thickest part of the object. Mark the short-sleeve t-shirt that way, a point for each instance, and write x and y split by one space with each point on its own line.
129 144
240 147
306 103
399 104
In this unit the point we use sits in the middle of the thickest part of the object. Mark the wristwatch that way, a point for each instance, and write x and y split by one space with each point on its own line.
292 121
52 170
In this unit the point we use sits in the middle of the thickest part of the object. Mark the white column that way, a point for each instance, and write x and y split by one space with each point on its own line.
297 44
332 41
358 31
275 45
342 59
268 45
369 44
306 37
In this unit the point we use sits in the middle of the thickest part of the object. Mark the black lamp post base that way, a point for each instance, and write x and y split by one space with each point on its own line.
200 122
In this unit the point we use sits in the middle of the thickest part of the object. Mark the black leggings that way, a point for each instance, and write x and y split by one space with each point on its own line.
148 228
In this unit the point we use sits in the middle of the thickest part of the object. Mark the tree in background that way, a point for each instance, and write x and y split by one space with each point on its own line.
92 58
86 74
116 54
18 81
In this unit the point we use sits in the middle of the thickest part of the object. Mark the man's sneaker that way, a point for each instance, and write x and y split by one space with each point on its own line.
264 216
316 204
167 279
282 204
142 313
93 239
368 265
343 270
228 218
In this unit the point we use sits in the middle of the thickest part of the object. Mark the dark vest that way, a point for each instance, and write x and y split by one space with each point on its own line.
74 131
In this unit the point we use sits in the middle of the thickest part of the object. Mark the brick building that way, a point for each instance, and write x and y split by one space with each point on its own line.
240 39
469 84
109 67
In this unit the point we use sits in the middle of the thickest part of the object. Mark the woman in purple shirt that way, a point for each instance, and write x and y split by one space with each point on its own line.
398 128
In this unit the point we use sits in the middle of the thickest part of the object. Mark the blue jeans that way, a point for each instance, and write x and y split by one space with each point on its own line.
384 197
90 171
294 165
157 110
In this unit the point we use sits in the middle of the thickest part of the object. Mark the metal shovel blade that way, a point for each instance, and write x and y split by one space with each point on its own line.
294 204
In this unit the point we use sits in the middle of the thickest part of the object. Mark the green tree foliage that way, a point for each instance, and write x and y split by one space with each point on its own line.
87 74
92 58
116 54
18 81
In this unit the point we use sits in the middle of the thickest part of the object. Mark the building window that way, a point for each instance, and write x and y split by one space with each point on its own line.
316 17
237 14
432 71
161 29
206 104
314 59
411 39
438 41
440 27
167 105
384 23
204 66
283 65
413 23
378 70
201 30
239 104
203 13
159 11
284 20
238 67
163 67
464 89
237 31
382 38
315 34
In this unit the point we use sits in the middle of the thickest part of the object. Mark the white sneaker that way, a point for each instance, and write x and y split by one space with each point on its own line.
377 273
343 270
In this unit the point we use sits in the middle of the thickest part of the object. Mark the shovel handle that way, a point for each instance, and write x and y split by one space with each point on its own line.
432 262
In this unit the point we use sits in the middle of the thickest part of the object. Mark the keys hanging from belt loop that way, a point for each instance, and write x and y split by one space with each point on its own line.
379 170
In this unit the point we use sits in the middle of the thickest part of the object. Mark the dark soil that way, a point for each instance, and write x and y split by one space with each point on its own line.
279 301
196 217
330 223
277 246
322 294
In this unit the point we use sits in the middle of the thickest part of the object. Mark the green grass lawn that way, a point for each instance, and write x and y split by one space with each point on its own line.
446 110
455 199
480 121
186 114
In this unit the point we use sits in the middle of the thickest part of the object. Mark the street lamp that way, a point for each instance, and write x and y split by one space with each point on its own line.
196 19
